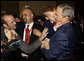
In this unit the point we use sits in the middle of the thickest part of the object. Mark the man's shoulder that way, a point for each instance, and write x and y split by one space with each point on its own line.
65 27
64 31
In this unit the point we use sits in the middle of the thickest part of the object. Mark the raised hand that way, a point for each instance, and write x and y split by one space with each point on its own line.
14 34
43 34
8 34
37 32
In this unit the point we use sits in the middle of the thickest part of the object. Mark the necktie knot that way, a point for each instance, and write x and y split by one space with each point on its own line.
27 27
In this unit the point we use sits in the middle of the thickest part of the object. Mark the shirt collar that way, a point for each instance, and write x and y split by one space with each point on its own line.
30 25
51 21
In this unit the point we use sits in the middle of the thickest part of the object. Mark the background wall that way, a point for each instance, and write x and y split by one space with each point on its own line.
10 6
16 7
37 6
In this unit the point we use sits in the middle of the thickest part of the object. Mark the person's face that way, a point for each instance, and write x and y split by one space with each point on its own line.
11 24
27 16
51 16
58 13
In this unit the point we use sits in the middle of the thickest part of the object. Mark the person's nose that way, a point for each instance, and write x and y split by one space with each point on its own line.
24 16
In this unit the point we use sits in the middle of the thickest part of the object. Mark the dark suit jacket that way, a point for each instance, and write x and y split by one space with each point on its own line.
49 25
20 29
61 44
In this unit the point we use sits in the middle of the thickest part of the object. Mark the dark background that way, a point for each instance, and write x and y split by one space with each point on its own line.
15 7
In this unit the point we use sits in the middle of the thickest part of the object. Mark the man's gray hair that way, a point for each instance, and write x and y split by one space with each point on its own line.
67 11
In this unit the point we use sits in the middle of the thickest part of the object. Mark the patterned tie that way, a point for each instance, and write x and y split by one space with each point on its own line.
27 35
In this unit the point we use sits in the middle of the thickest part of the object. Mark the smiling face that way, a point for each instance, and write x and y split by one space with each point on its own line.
49 13
58 13
60 19
27 16
50 16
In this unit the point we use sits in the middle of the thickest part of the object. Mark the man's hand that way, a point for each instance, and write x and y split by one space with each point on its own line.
10 34
14 34
43 34
37 32
45 43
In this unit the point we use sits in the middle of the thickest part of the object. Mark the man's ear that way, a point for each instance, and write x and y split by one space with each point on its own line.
32 15
5 25
66 18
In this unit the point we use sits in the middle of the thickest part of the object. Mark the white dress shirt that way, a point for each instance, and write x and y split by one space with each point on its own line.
54 27
30 28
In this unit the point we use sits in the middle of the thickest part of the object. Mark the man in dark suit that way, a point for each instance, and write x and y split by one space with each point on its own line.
27 16
62 42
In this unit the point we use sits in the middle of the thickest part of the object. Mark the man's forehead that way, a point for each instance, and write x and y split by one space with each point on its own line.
8 17
59 9
26 11
49 13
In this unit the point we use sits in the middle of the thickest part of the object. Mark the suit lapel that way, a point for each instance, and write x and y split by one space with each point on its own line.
20 28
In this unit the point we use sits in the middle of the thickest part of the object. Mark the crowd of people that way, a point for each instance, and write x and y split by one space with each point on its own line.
53 36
